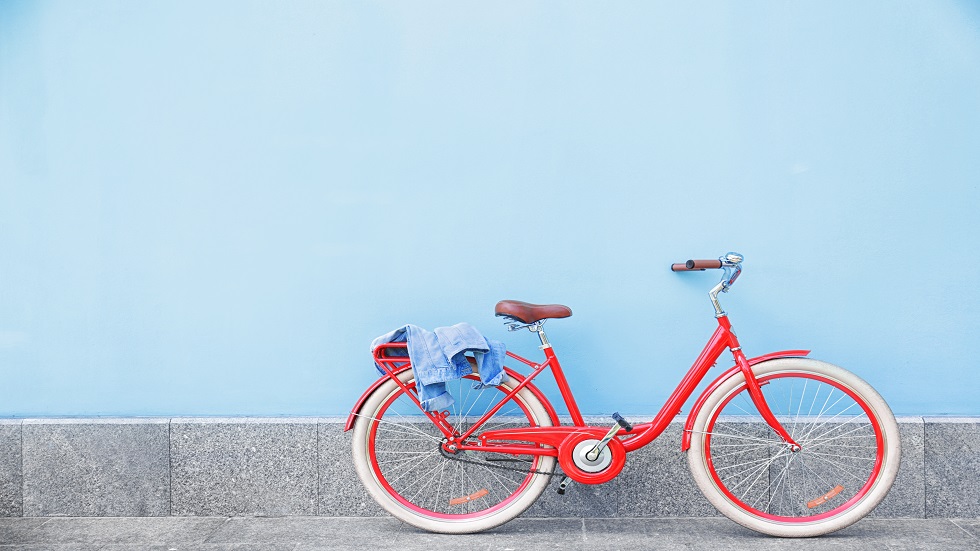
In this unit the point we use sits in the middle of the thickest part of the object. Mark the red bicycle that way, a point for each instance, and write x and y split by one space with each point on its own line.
780 443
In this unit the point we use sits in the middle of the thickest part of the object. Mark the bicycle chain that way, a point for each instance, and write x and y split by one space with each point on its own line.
461 460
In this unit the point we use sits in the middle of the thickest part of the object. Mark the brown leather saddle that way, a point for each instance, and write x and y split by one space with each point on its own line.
525 312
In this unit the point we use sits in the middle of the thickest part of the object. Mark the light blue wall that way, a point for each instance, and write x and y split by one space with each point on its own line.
213 207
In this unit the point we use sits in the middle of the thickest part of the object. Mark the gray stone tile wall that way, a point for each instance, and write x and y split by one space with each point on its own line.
341 493
93 533
656 481
302 466
243 467
952 467
907 498
11 475
96 467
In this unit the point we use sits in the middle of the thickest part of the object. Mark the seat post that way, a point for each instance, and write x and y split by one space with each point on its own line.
539 329
566 391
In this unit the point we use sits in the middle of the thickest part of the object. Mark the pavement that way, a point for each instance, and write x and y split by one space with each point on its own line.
382 534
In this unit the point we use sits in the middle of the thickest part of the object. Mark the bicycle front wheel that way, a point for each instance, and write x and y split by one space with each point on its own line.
398 456
848 459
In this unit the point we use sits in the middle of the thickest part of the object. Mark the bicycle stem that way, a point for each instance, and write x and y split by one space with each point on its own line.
713 295
728 263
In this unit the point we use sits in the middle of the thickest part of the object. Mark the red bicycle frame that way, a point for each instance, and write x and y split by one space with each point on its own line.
547 439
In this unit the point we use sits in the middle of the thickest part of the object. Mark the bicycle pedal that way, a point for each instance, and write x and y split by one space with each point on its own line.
565 481
622 422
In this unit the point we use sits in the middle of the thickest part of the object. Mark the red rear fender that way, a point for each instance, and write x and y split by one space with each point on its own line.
368 392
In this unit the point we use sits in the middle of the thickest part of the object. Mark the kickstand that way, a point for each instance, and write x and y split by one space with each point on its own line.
565 481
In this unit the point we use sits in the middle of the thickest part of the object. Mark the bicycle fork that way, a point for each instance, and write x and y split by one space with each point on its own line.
755 392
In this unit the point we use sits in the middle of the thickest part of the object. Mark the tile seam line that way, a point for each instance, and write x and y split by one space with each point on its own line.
967 532
925 500
316 459
215 531
170 467
22 477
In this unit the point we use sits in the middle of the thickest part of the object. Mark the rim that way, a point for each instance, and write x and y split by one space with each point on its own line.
835 415
401 461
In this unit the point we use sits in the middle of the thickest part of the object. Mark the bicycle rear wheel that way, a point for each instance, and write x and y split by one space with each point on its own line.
848 461
398 457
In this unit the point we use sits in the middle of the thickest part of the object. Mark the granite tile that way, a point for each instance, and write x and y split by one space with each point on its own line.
579 500
656 481
910 535
523 533
244 466
952 467
969 525
334 533
15 530
675 534
54 547
907 498
11 474
374 533
100 467
133 530
96 467
199 547
341 493
357 532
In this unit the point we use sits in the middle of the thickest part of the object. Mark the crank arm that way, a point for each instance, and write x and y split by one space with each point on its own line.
621 423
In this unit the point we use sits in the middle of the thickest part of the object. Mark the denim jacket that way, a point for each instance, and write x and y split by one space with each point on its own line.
438 356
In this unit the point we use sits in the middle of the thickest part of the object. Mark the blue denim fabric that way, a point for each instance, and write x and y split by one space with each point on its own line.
438 356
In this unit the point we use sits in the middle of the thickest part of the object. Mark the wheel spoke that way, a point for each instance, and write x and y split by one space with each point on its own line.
408 429
782 477
736 436
758 474
753 462
407 462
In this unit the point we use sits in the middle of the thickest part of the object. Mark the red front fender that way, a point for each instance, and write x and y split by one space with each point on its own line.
513 374
689 425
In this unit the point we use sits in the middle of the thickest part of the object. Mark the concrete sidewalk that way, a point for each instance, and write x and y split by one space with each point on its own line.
381 534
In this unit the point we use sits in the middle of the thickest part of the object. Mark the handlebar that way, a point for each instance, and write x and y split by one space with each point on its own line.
699 265
731 262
